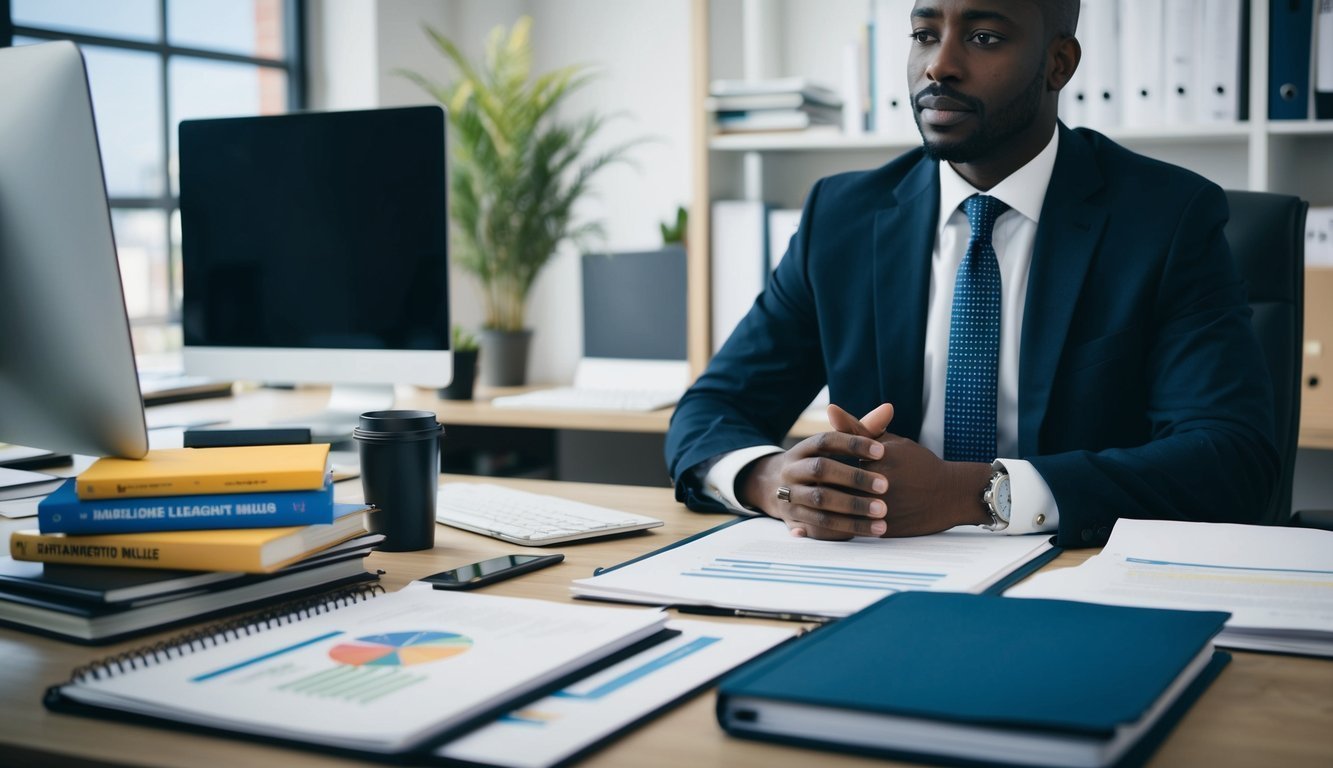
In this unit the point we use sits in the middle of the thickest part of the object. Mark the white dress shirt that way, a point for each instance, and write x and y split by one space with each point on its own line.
1033 507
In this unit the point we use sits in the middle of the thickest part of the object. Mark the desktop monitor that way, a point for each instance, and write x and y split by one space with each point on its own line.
314 250
67 372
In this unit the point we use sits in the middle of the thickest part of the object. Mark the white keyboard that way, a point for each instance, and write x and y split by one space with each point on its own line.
530 519
575 399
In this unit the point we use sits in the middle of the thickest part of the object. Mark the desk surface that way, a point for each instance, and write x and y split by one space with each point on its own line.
1263 710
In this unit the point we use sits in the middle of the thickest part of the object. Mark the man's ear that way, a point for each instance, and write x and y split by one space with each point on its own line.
1064 53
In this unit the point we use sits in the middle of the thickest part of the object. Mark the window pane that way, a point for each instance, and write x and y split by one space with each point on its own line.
201 88
141 241
127 102
249 27
133 19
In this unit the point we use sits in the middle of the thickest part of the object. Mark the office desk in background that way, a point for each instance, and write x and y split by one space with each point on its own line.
624 448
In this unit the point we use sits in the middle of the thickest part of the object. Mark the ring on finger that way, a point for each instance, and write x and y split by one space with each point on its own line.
784 493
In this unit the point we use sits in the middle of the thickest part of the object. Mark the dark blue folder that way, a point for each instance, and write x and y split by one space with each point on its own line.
1060 677
1290 32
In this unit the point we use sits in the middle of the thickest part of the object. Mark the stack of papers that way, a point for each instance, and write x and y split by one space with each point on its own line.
756 565
1277 583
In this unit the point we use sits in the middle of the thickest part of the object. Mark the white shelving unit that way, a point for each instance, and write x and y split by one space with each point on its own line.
757 39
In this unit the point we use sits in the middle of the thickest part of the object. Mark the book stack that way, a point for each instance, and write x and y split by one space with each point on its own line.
129 546
783 104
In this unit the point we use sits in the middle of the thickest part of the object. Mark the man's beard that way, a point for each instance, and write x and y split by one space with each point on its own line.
992 132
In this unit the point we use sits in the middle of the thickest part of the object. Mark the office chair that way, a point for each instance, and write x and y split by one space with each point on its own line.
1267 237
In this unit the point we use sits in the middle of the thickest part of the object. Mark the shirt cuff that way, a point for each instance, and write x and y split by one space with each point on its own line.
720 482
1032 506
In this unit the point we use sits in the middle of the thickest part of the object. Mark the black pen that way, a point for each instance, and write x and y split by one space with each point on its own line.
713 610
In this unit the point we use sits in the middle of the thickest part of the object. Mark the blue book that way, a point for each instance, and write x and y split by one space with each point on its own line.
971 679
64 512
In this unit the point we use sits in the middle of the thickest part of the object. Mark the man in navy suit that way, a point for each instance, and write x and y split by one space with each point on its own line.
1044 331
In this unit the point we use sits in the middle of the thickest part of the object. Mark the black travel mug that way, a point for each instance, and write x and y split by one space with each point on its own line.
400 469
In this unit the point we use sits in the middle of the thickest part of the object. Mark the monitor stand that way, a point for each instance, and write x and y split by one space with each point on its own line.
346 404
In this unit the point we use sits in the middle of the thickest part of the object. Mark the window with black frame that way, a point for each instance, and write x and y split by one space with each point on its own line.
151 64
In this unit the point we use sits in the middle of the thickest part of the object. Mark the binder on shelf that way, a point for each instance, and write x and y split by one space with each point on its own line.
1221 42
959 678
1099 31
1141 62
1323 68
1290 29
739 261
782 225
1180 54
853 108
893 98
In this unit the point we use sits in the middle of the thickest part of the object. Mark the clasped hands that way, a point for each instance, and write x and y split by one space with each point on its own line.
895 488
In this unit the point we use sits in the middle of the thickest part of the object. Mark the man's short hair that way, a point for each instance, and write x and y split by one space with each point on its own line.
1061 16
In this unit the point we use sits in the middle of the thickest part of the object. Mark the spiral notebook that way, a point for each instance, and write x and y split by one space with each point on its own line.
362 671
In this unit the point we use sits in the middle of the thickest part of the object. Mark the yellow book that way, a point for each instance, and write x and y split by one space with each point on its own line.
189 471
249 550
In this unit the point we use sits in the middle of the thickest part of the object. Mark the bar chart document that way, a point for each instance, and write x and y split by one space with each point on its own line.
757 565
1277 583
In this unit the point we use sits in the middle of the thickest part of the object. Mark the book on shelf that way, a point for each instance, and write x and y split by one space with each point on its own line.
386 674
252 550
776 120
189 471
89 604
1275 582
981 679
754 566
760 101
64 512
809 90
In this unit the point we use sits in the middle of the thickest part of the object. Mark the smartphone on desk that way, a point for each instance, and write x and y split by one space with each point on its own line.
490 571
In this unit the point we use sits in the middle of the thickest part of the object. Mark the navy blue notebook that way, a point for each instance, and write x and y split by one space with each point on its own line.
963 678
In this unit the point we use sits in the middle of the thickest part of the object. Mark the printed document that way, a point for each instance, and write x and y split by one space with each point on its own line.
586 714
382 675
756 565
1276 582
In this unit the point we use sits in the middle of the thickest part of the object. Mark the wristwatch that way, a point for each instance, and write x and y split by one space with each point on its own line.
996 498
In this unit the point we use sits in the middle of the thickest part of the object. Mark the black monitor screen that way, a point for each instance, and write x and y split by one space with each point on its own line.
316 230
634 305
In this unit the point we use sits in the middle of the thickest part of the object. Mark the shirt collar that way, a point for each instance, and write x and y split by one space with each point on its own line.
1024 190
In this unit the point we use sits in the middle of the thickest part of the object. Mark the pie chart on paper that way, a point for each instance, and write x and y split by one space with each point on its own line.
400 649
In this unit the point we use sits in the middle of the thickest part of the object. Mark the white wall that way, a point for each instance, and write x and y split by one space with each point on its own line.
640 47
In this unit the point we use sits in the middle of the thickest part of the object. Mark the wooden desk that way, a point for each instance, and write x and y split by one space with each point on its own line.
258 406
1264 710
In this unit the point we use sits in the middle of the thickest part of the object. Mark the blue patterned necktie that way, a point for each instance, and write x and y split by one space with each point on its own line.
971 384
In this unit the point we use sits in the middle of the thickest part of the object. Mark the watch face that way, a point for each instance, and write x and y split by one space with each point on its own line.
1002 498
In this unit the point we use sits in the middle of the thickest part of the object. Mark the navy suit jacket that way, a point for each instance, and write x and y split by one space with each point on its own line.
1142 389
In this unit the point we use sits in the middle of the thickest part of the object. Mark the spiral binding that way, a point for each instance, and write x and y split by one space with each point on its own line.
218 633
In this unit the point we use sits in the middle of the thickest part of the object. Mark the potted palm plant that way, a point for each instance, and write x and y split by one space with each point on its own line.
517 171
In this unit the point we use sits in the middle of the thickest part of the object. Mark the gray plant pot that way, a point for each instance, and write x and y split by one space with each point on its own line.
465 375
504 358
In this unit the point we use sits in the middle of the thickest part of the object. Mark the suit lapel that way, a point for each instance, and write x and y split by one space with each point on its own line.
1071 224
904 241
